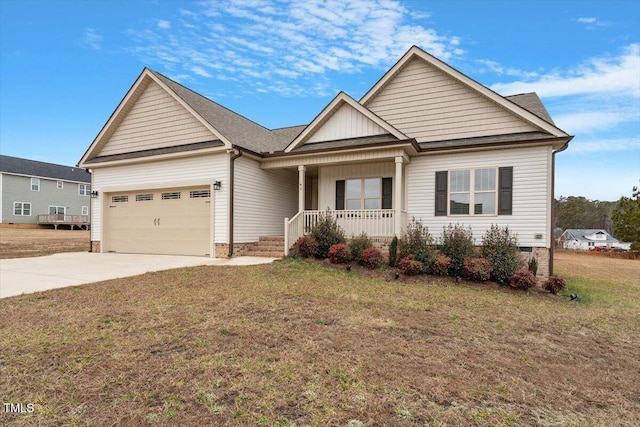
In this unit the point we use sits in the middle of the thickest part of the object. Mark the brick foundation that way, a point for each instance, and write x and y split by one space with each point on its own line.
239 249
542 254
95 246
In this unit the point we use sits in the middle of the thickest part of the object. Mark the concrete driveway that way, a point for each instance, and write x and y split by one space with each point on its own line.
26 275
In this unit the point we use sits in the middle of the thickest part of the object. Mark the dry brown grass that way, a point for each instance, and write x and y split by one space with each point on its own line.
29 242
295 343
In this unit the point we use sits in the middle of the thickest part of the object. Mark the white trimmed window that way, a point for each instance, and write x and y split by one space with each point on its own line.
59 185
84 189
56 210
363 193
35 184
473 188
21 209
85 210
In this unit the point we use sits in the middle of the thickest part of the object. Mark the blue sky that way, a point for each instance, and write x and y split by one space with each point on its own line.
65 65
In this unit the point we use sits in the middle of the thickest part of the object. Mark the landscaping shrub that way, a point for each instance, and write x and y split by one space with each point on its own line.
554 284
305 246
326 233
339 254
441 265
393 251
501 248
533 265
358 244
523 278
417 241
371 258
409 266
477 269
457 244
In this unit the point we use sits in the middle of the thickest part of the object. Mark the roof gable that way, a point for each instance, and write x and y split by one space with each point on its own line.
429 100
343 118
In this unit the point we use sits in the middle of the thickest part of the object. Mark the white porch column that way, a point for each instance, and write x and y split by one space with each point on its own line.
397 196
301 171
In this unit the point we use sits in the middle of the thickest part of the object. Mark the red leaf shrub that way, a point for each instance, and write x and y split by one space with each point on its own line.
441 266
523 278
339 254
477 269
409 266
554 284
305 246
371 258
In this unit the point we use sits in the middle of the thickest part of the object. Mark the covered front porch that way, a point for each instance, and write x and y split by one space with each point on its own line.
364 196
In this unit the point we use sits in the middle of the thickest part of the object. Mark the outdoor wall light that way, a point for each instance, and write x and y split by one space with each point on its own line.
94 194
217 185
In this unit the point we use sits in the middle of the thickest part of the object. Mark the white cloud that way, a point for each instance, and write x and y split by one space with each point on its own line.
92 39
497 68
617 75
296 42
592 23
587 20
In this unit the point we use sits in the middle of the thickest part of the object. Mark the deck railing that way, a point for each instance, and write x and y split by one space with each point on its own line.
63 219
373 222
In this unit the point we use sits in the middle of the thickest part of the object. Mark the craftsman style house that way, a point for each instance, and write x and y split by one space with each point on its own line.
33 192
177 173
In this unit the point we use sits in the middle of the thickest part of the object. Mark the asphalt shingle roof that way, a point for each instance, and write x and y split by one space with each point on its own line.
531 102
580 234
35 168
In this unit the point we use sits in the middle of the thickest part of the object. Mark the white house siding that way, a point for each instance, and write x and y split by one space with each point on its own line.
425 103
531 187
328 175
164 174
262 199
346 122
156 120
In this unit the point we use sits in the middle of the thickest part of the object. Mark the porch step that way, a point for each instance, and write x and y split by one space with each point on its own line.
267 246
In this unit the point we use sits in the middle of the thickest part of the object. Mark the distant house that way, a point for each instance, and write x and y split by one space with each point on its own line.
590 239
177 173
33 192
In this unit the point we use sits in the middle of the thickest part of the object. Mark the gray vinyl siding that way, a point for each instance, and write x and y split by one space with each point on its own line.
531 189
429 105
262 199
16 188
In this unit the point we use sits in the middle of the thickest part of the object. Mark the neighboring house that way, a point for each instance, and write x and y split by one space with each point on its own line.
178 173
33 192
590 239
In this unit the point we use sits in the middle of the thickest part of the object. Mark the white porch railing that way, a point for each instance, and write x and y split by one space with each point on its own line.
373 222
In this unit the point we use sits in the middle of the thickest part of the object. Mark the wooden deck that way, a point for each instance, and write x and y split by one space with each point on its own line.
80 221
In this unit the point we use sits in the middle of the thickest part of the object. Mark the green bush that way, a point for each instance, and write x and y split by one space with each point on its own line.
326 233
501 248
457 244
441 265
477 269
358 244
393 251
533 265
417 241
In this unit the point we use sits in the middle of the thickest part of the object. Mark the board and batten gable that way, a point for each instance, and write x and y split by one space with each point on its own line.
155 120
345 123
262 199
531 190
426 104
183 172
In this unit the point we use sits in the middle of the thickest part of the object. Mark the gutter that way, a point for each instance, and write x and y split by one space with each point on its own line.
236 153
553 200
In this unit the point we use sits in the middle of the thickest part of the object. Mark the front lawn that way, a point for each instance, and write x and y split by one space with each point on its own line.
295 343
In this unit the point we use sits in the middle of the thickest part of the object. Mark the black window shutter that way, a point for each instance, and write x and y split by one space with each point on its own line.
387 193
441 193
505 191
340 195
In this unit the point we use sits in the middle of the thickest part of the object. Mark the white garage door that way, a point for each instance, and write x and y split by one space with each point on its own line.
173 221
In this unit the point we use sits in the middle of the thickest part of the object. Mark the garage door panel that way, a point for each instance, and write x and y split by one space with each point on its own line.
168 221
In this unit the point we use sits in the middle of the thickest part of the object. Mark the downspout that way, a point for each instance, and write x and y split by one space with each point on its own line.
553 201
236 153
90 206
